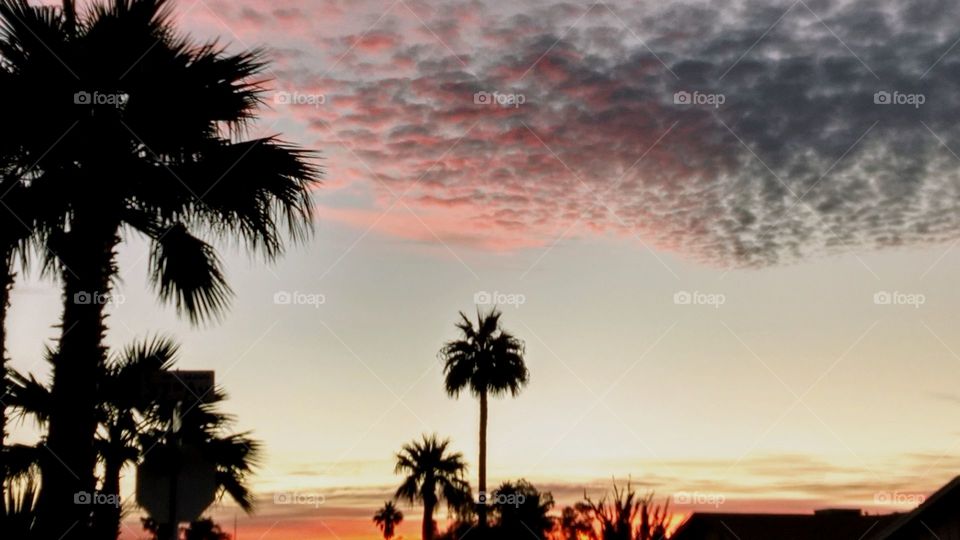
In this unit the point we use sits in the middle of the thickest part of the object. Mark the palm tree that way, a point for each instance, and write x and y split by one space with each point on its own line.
22 227
489 361
122 415
10 240
131 424
387 518
432 475
159 153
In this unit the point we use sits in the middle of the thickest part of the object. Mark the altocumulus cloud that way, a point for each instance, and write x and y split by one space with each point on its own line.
749 134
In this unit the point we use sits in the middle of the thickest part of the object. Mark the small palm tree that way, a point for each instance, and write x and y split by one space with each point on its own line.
131 424
432 474
488 361
387 518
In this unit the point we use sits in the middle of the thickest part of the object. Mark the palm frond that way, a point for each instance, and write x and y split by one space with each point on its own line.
186 271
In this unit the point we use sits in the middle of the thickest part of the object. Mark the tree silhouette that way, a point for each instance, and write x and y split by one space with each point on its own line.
18 507
132 423
432 474
654 519
204 529
201 529
625 517
615 518
576 523
489 361
23 228
522 511
158 153
387 518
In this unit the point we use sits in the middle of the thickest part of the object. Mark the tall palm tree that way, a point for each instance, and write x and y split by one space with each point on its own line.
432 474
488 361
141 131
131 424
387 518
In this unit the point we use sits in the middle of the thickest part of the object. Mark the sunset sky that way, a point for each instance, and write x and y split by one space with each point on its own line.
733 264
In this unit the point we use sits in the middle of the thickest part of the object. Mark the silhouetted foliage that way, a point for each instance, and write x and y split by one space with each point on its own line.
431 474
131 422
488 361
462 530
140 132
201 529
387 518
576 523
654 519
18 506
204 529
624 517
521 511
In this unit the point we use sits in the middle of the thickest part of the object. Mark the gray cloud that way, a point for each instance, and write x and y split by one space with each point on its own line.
798 161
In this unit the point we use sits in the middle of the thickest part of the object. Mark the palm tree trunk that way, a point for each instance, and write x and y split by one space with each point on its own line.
6 283
482 504
87 260
107 516
428 527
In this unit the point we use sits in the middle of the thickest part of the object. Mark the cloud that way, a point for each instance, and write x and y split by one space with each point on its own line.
563 118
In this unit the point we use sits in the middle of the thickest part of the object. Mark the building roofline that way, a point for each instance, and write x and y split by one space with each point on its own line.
926 504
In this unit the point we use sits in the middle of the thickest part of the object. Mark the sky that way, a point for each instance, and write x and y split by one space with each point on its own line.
727 236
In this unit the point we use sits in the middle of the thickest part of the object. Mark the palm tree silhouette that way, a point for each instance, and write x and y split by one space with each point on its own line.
387 518
159 153
23 228
12 236
489 361
131 424
432 475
